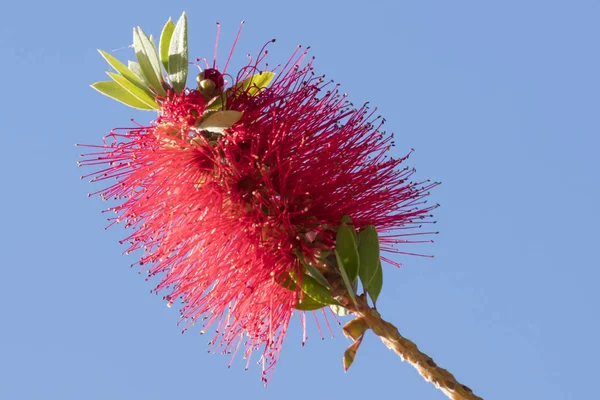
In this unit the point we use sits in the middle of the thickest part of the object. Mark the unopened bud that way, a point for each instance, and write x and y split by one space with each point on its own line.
206 87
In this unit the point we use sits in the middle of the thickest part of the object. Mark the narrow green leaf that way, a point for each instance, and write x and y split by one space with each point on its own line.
135 91
137 70
148 60
220 120
345 247
150 50
307 303
347 282
123 70
165 42
316 291
178 55
368 251
312 270
376 284
117 92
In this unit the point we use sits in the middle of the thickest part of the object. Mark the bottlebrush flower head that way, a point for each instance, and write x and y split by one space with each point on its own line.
254 198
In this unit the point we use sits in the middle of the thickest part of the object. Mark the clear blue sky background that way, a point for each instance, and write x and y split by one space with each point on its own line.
500 101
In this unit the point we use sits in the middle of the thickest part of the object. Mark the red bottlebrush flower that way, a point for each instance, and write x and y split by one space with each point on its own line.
220 216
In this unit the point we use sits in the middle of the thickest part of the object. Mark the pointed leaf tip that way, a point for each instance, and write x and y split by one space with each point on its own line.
350 353
165 43
148 60
178 55
376 284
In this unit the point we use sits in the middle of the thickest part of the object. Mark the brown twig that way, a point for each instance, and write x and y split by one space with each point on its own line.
409 351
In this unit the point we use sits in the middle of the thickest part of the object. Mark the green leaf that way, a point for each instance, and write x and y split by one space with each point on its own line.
148 60
218 101
123 70
368 250
312 270
135 91
286 280
254 84
376 284
137 70
316 291
220 120
307 303
345 248
117 92
165 42
178 55
309 285
347 282
346 221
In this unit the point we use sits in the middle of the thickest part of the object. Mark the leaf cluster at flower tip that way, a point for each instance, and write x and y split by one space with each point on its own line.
143 83
160 75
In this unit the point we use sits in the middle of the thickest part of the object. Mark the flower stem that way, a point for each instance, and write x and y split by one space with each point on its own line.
409 351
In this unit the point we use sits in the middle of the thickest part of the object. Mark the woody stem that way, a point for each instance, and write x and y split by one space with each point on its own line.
409 351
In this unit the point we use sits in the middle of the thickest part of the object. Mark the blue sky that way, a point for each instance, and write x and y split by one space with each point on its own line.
500 101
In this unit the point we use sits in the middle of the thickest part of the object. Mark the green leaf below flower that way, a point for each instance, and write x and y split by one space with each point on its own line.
376 284
312 269
310 286
347 282
307 303
368 250
316 291
346 249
